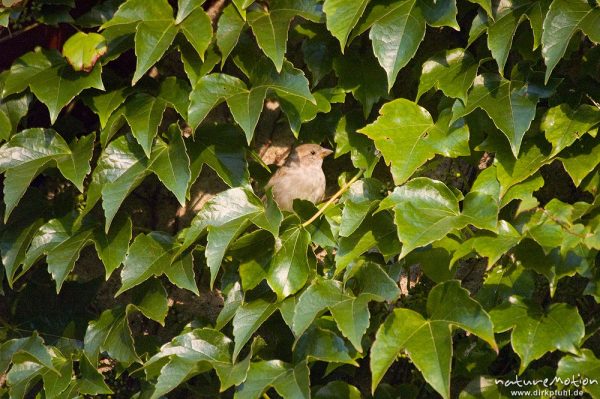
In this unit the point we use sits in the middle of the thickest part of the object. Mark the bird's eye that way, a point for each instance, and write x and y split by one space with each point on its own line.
312 152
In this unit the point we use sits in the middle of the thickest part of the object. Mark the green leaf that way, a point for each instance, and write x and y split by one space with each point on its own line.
407 137
13 247
359 200
289 381
55 384
502 30
112 247
429 342
563 125
270 27
290 85
322 342
77 166
213 89
82 50
149 255
551 263
121 168
489 245
152 39
12 110
535 152
318 50
485 4
451 71
377 230
429 345
176 92
337 390
171 164
248 318
181 273
534 330
426 210
289 269
104 104
396 37
225 216
584 365
271 218
352 317
222 148
232 302
98 14
62 257
28 67
186 7
440 14
435 259
482 204
133 11
197 29
4 18
241 5
451 303
187 355
362 150
92 381
482 387
144 114
564 18
502 282
342 16
361 75
321 294
510 104
31 151
229 29
31 349
51 79
5 126
246 104
370 279
581 159
192 64
480 24
111 334
150 298
524 192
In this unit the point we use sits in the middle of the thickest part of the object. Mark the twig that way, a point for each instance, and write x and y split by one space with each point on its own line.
333 198
18 33
593 101
215 9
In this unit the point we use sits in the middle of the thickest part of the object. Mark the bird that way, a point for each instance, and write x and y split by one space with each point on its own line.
301 177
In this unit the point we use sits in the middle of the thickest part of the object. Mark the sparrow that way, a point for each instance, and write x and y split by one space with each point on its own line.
300 177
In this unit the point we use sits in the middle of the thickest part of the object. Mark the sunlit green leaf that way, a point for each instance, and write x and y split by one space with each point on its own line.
564 18
534 329
407 137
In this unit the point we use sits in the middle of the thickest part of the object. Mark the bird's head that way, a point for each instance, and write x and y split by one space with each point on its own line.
308 155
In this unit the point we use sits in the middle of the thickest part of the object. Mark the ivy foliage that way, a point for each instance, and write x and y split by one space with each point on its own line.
471 130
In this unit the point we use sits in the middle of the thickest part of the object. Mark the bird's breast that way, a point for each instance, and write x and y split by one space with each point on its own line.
298 183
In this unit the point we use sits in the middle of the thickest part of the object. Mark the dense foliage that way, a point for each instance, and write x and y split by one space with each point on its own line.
465 137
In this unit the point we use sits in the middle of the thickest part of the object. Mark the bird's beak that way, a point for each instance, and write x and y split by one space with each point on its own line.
325 152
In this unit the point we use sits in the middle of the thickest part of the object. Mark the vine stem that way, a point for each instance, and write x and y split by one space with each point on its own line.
333 198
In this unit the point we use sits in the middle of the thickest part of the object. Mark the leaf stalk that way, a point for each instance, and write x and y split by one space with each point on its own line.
334 198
